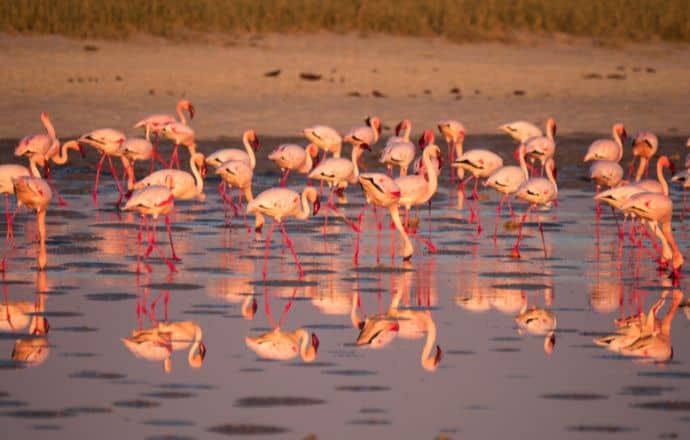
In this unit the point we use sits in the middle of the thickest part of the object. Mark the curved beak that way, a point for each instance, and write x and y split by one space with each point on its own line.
365 147
202 350
317 206
315 342
421 142
192 111
255 142
398 128
439 355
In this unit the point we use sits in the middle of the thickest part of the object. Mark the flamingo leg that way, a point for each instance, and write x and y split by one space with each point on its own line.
451 159
287 308
329 205
292 249
268 244
429 217
283 181
139 240
541 232
49 179
154 245
232 201
516 250
632 167
98 176
172 247
392 229
355 258
7 235
476 206
174 159
597 204
117 181
498 214
244 212
464 197
221 191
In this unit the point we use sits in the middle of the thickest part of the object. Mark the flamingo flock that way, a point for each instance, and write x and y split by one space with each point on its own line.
644 201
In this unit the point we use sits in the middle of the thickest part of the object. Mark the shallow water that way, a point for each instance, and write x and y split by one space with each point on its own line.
492 380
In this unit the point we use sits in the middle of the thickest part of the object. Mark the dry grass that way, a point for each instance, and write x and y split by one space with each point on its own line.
458 20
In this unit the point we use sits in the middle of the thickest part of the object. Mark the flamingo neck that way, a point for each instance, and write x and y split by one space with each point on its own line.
549 175
250 150
180 112
395 216
523 163
457 144
354 316
428 360
644 162
431 172
33 167
660 176
356 154
308 163
48 126
666 323
129 169
61 157
198 180
677 260
305 209
258 218
193 357
406 133
306 350
549 131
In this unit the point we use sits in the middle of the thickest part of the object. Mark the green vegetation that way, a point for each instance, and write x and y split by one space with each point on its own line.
458 20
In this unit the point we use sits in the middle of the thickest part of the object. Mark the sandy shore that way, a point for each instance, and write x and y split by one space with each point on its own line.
90 84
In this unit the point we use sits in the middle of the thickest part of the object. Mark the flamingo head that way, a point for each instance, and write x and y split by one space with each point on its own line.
374 123
551 125
315 342
439 355
316 206
253 139
427 138
665 162
620 130
191 110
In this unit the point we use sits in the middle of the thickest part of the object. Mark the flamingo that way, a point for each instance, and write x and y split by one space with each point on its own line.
521 130
542 148
367 134
33 350
153 201
238 174
399 151
131 151
337 170
59 156
326 138
181 134
480 163
279 345
280 203
506 180
184 186
379 330
155 123
536 191
217 158
645 145
107 141
34 193
608 149
607 173
540 322
293 157
629 330
382 190
417 190
454 133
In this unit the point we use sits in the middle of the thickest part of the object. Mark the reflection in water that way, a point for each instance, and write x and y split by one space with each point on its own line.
540 322
279 345
15 316
158 342
644 336
379 330
237 288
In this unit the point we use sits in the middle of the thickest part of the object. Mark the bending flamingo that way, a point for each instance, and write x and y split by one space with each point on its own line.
280 203
35 193
184 186
181 134
521 130
155 123
536 191
291 157
645 145
326 138
107 141
506 180
454 133
366 134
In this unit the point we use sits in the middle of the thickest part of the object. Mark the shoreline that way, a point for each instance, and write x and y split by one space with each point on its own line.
87 84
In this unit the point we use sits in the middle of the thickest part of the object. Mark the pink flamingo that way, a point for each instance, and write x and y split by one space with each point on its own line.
381 190
238 174
153 201
155 123
454 133
608 149
521 130
35 193
280 203
542 148
399 151
607 173
645 145
480 163
107 141
291 157
427 138
181 134
133 150
366 134
536 191
506 180
326 138
184 185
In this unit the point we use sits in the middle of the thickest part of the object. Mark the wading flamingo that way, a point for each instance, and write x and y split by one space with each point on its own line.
365 134
133 150
34 193
184 186
536 191
153 201
238 174
281 203
608 149
399 151
454 133
107 141
181 134
506 180
645 145
542 148
155 123
521 130
291 157
326 138
606 173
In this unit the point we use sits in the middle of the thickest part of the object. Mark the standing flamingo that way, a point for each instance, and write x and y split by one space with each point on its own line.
506 180
542 148
366 134
607 173
608 149
181 134
326 138
35 193
480 163
107 141
184 186
293 157
280 203
153 201
238 174
155 123
536 191
382 190
454 133
399 151
645 145
521 130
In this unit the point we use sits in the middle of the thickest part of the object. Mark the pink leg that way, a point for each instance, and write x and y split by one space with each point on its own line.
632 167
541 232
154 245
117 181
7 235
244 213
98 176
355 258
292 249
172 247
516 249
464 198
268 244
510 209
392 229
379 230
451 158
49 179
498 214
287 308
476 206
174 158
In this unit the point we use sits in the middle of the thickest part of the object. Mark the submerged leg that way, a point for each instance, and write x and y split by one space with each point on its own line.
292 249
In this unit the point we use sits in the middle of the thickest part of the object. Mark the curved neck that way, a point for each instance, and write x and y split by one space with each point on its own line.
550 176
258 217
395 215
33 167
660 176
356 153
48 125
431 172
457 144
250 150
194 357
666 322
523 163
306 350
198 180
180 112
619 142
428 360
305 210
308 163
549 130
408 130
677 259
61 157
129 169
